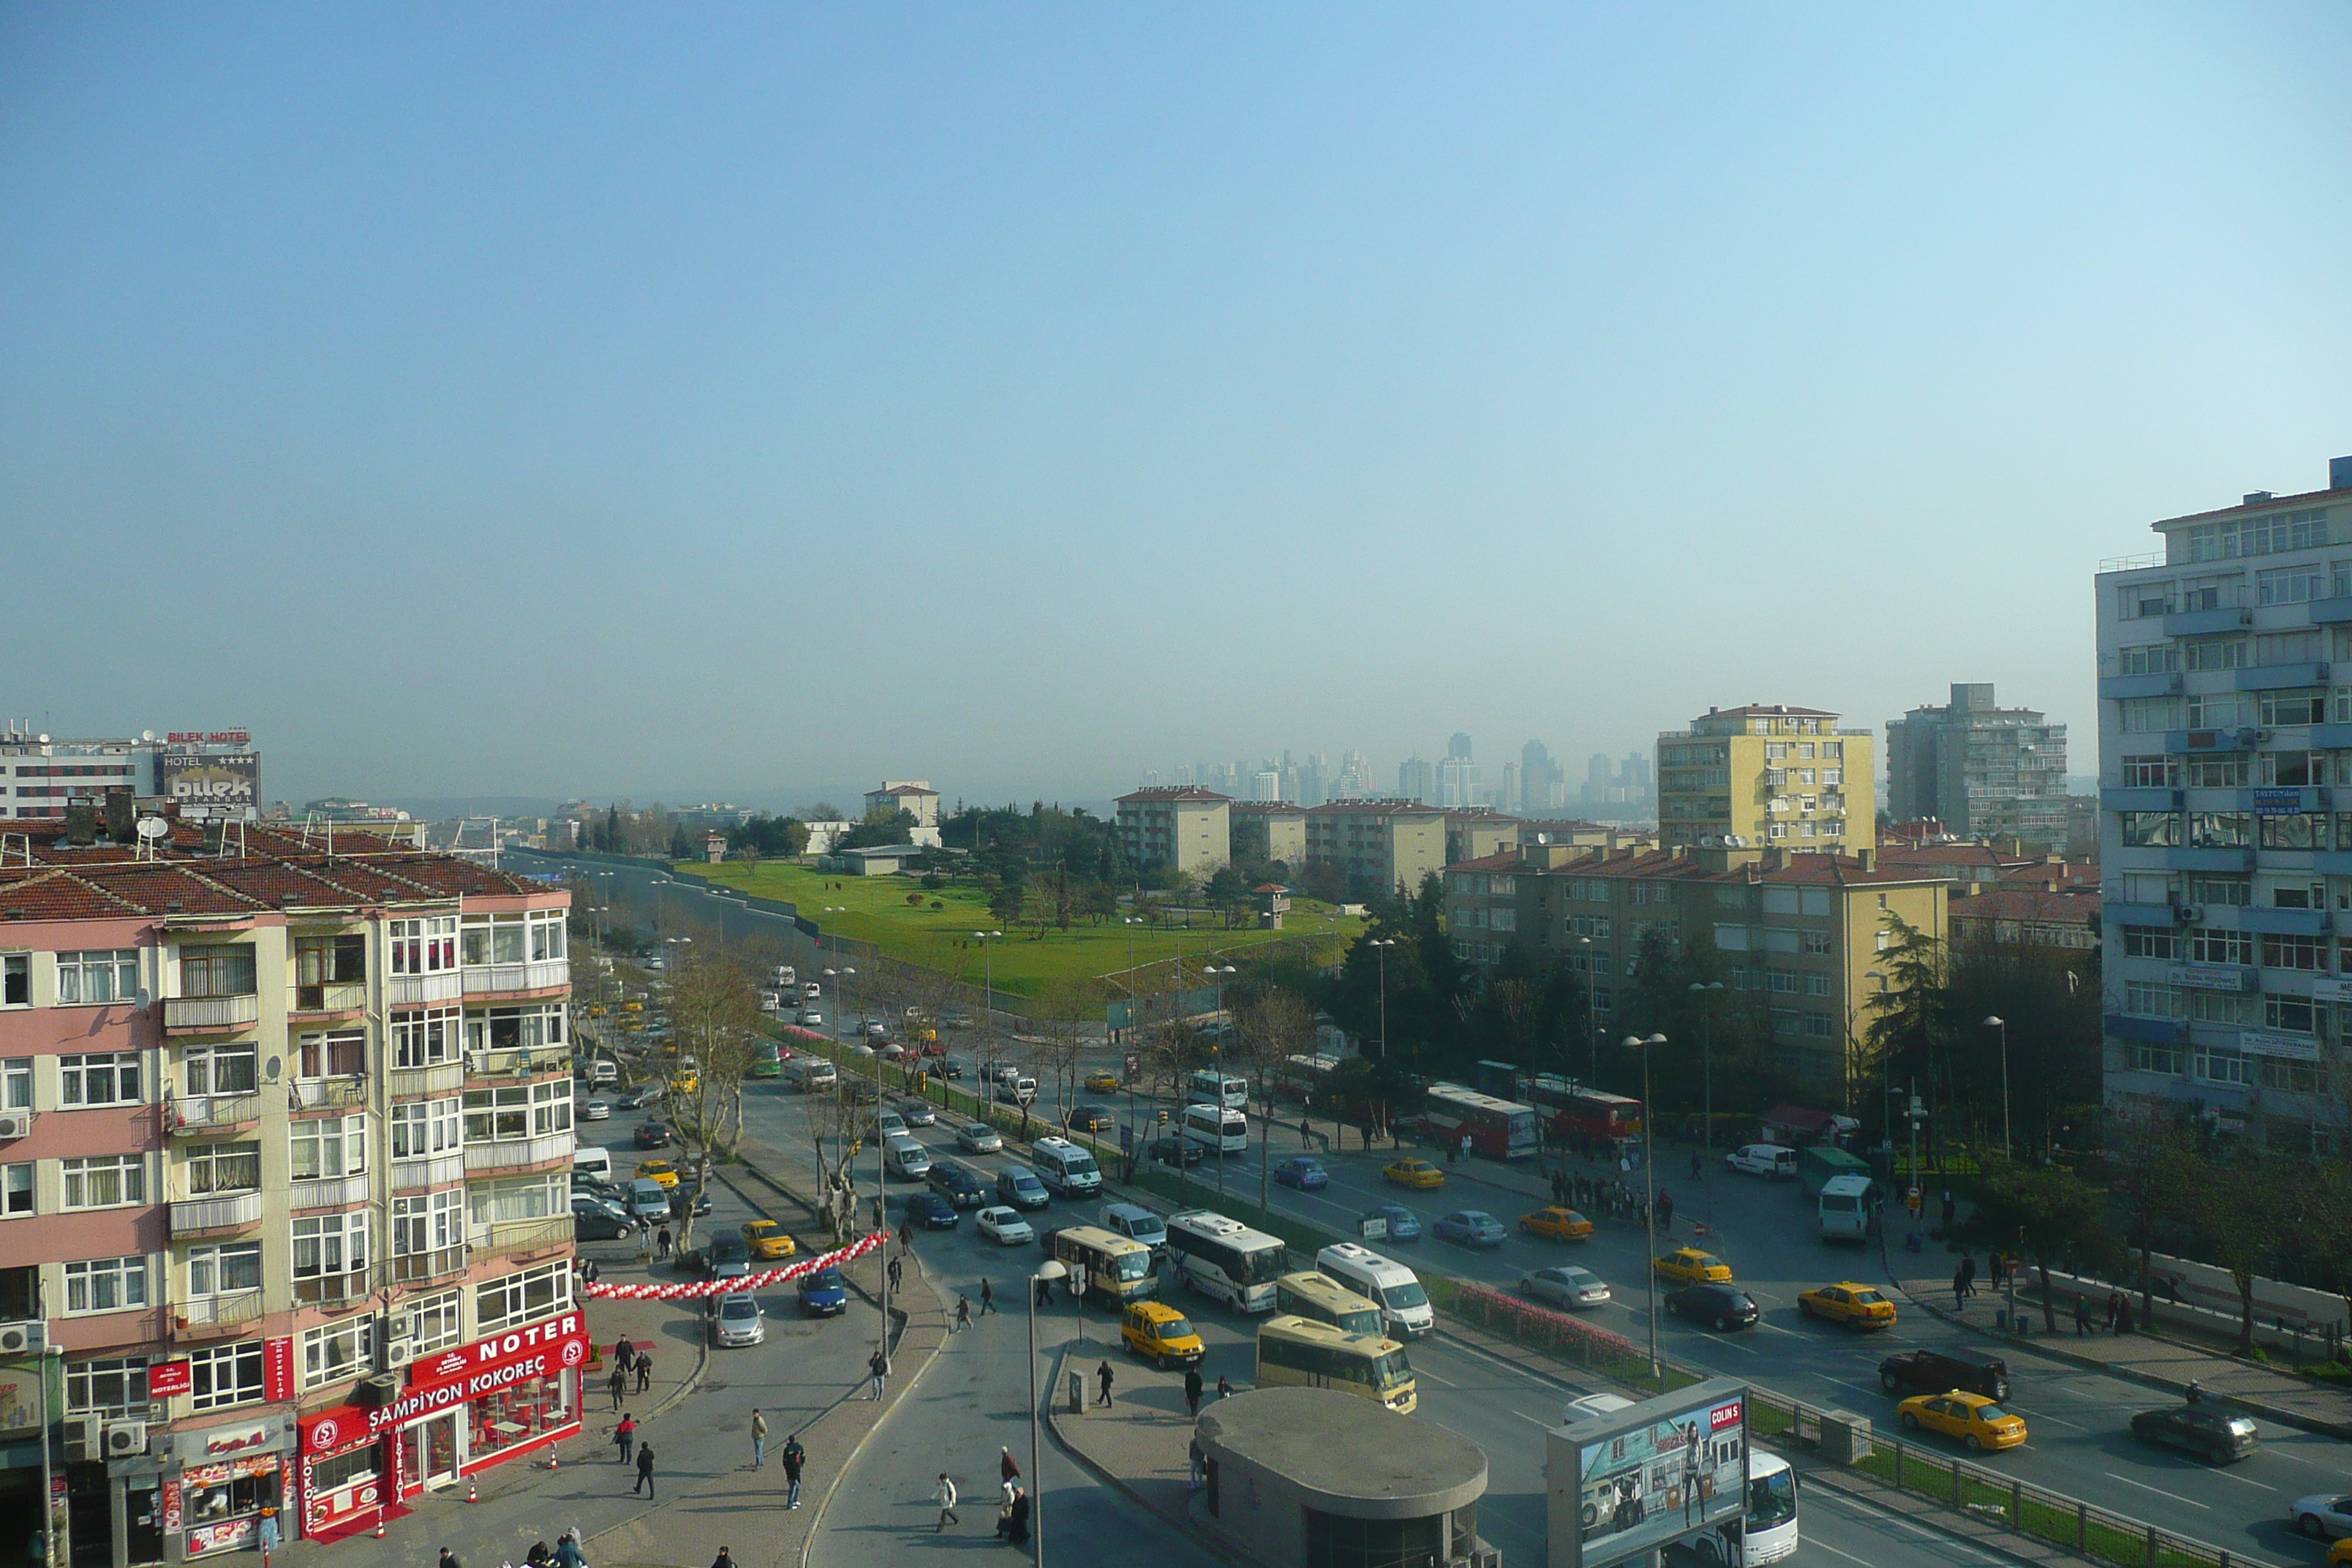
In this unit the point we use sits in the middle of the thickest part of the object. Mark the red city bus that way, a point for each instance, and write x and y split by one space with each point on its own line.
1498 1129
1570 1111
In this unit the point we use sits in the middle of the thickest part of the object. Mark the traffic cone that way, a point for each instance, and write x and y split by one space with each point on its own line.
379 1524
471 1495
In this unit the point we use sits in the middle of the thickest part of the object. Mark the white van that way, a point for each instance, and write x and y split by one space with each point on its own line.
1210 1088
1065 1167
1844 1208
905 1157
786 974
806 1075
1403 1303
596 1163
1768 1161
1137 1223
1216 1128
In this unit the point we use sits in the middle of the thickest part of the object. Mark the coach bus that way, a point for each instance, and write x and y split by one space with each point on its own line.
1303 1353
1569 1110
1226 1259
1498 1129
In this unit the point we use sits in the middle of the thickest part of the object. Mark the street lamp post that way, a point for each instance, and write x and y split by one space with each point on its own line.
1216 975
1382 946
1649 1188
1049 1269
988 1003
2002 1025
1706 995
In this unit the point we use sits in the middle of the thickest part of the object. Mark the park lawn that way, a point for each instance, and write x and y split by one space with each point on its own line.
874 910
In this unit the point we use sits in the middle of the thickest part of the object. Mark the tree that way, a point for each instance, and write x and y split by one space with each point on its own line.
2046 1214
1271 1025
714 1017
1899 1040
2247 1208
1006 902
1058 1016
2157 1173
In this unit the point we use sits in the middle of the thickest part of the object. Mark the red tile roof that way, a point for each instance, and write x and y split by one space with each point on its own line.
2030 904
1655 865
1508 860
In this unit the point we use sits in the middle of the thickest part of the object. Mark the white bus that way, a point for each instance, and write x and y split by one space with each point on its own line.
1226 1259
1769 1533
1216 1127
1211 1088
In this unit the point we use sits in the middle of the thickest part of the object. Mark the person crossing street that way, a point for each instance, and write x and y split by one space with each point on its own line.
645 1472
987 1299
944 1494
794 1456
1102 1377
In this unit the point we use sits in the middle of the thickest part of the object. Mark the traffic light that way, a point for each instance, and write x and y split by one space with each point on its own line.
856 1146
1163 1116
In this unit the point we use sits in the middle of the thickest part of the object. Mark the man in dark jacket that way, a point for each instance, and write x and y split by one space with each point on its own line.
1193 1390
644 1471
1019 1524
794 1458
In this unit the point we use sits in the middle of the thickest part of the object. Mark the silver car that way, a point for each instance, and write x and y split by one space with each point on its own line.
2322 1517
736 1320
980 1138
1564 1286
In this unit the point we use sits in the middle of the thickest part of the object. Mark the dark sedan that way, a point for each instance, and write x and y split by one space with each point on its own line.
599 1219
1724 1306
654 1135
932 1212
2218 1435
1093 1118
1176 1151
957 1183
639 1099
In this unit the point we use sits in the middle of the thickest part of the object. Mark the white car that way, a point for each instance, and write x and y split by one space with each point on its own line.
812 989
2323 1517
892 1124
811 1018
597 1110
980 1138
1566 1285
1766 1160
1004 1226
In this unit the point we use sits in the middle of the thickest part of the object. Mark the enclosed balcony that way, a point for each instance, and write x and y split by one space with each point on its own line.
415 990
522 1062
333 1290
210 1115
332 1193
518 979
218 1214
330 975
515 1156
419 1083
214 1317
211 1015
342 1000
428 1172
429 1267
330 1094
525 1238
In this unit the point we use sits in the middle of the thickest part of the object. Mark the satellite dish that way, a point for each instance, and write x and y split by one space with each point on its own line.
148 735
143 1001
154 827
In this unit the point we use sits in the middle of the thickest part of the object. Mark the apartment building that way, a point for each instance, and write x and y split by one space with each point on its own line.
285 1167
1275 830
917 799
1768 775
1176 826
1474 832
1378 844
2225 747
1980 769
203 773
1804 930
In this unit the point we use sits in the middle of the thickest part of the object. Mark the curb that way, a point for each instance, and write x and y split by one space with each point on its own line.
816 1520
1222 1551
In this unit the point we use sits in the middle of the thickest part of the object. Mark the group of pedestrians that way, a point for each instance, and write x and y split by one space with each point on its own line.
1012 1501
628 1358
2118 1318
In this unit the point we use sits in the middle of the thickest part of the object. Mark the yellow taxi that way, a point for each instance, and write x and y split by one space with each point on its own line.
1561 1225
1847 1302
1419 1175
660 1171
2340 1553
1972 1418
1102 1083
1160 1334
632 1007
685 1083
595 1009
1689 1265
766 1238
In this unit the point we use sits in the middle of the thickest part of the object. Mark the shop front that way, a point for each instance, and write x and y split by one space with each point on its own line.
227 1477
462 1411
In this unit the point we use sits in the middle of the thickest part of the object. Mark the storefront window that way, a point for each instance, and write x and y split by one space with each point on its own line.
222 1504
512 1417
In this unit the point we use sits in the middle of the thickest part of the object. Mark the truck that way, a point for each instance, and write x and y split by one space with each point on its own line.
1821 1163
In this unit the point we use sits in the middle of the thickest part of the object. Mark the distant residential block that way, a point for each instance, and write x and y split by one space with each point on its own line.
1178 826
917 799
1762 776
1982 769
1275 830
1378 844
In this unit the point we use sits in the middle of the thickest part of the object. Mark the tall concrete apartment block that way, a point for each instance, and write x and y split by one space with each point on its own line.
1176 826
284 1174
1981 770
2225 775
1378 844
1761 776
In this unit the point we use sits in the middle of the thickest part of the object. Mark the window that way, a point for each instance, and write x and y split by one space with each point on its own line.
2213 653
2222 1007
424 1127
428 1222
343 1054
2145 999
1816 942
2150 829
1594 926
494 939
2297 584
106 1285
2147 1058
16 1190
2221 1064
2149 772
1505 919
422 1036
2302 647
520 1297
2289 1015
518 1198
1833 751
2147 888
2140 601
2310 896
2217 829
2224 772
2208 944
223 1267
216 972
329 1246
2294 830
224 1376
1787 1020
16 979
115 1386
328 1146
17 1083
1817 985
1817 1025
426 946
2227 892
515 1028
105 1180
103 1078
2296 769
329 959
339 1350
2148 659
433 1322
2293 705
547 929
2214 709
2148 941
223 1069
224 1168
2147 715
2294 1077
110 975
1784 981
1833 778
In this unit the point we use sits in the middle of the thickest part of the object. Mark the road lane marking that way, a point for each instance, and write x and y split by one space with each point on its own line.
1825 1546
1441 1383
2242 1480
2159 1491
2045 1416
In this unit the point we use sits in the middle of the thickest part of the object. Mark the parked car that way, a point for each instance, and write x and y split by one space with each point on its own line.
1975 1420
824 1294
595 1218
1565 1285
639 1099
726 1258
1471 1227
660 1171
932 1212
1403 1223
959 1184
979 1138
1932 1372
653 1135
1558 1224
1176 1151
1848 1303
917 1112
1725 1305
2222 1436
1418 1175
1003 1225
736 1320
597 1110
1303 1172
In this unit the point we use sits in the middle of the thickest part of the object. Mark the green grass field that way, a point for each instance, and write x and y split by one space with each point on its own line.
876 910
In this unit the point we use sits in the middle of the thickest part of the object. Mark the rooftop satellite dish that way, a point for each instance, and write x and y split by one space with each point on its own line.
147 735
154 827
44 739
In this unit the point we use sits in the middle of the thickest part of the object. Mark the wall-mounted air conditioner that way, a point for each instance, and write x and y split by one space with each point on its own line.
125 1438
30 1337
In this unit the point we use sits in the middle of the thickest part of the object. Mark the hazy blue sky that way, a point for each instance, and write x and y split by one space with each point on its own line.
602 399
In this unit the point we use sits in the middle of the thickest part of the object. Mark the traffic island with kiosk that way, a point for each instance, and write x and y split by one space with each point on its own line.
1623 1486
1299 1476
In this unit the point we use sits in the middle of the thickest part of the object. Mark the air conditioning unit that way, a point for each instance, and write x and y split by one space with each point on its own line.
15 1123
85 1437
30 1337
2190 914
125 1438
380 1390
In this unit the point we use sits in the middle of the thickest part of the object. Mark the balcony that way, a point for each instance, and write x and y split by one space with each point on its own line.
429 1267
416 1083
2328 611
519 1154
520 1063
205 1317
525 1239
333 1192
2282 677
495 979
2283 923
428 1171
2229 859
2136 797
2162 683
330 1000
415 990
221 1213
2204 623
207 1115
210 1014
333 1290
330 1094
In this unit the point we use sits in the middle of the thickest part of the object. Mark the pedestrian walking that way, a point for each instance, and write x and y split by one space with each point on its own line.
987 1299
2081 1314
645 1472
1305 1133
1004 1510
624 1355
907 1235
1959 1289
794 1456
758 1439
1449 1152
963 1313
1694 1165
724 1560
590 1273
880 1365
1968 1273
896 1264
448 1559
1008 1470
1950 1209
1045 1291
624 1435
661 1245
2123 1315
568 1553
944 1494
2114 1305
1102 1378
1665 1209
1018 1526
618 1382
1199 1465
645 1371
1193 1391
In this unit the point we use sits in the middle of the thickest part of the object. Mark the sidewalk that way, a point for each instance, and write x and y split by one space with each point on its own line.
1142 1446
2155 1361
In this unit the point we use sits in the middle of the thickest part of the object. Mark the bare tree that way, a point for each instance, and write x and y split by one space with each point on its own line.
1271 1025
1058 1022
713 1018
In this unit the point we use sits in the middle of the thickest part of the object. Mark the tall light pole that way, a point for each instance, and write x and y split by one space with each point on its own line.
1649 1188
1216 975
1706 995
1381 946
2002 1025
1583 946
1050 1269
988 1007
